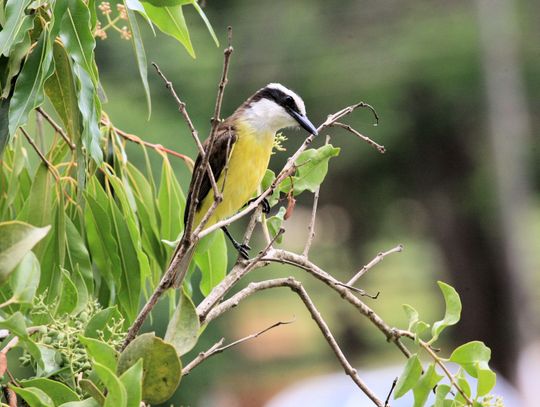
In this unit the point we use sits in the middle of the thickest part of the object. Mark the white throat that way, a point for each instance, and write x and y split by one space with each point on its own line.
267 116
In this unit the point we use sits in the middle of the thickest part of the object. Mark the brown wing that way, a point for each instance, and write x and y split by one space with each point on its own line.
223 144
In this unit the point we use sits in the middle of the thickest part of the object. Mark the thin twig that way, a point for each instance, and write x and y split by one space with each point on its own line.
47 163
56 127
217 348
374 262
381 149
387 401
315 314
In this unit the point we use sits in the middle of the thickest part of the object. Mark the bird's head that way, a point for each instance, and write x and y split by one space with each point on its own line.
275 107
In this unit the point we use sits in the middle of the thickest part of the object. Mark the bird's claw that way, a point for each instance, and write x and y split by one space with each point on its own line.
243 249
264 203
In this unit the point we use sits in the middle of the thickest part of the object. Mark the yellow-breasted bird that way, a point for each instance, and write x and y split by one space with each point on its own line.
247 136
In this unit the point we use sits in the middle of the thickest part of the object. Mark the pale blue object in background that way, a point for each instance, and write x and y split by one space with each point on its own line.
338 390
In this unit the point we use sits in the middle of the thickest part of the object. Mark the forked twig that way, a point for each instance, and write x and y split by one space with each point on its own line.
378 258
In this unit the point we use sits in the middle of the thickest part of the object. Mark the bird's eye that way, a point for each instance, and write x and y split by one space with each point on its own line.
289 101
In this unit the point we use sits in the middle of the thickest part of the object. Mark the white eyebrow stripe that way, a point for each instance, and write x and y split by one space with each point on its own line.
298 100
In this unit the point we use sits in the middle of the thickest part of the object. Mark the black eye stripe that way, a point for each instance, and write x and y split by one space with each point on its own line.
278 96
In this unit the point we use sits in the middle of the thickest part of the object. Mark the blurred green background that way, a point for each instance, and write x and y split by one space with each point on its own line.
457 87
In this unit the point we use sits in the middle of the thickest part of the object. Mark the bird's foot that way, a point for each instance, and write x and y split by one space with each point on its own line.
264 203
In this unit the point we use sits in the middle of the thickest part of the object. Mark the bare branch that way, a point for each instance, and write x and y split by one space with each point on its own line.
374 262
217 348
387 401
323 327
47 163
381 149
56 127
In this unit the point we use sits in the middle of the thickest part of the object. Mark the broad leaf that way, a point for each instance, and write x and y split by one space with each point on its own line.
274 223
90 402
183 329
68 296
16 240
170 21
98 323
33 396
440 395
171 202
162 368
58 392
452 313
25 279
474 358
17 326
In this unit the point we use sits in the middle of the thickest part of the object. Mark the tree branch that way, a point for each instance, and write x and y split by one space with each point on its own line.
374 262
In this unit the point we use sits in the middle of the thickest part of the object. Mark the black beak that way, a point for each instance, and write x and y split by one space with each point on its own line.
303 121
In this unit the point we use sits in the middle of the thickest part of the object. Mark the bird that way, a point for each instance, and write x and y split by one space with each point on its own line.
243 143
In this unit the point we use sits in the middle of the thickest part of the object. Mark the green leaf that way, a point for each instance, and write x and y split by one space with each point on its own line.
162 369
4 123
24 280
18 54
83 403
91 389
116 392
474 358
50 359
464 385
17 326
170 21
274 223
140 55
132 381
33 396
267 180
16 240
206 22
412 315
440 394
58 392
212 261
16 25
171 202
100 352
426 383
98 323
68 297
409 377
38 207
77 256
452 313
168 3
312 167
61 91
183 329
28 92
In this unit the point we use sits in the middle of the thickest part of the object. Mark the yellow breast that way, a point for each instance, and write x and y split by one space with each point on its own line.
249 160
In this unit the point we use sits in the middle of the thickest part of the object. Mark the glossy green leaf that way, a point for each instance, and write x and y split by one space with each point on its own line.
58 392
16 240
100 352
426 383
268 179
452 313
212 261
68 296
312 167
24 280
33 396
50 359
162 369
132 381
17 326
140 55
116 392
183 329
77 256
17 23
170 20
38 208
28 92
61 91
409 377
